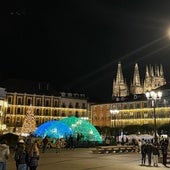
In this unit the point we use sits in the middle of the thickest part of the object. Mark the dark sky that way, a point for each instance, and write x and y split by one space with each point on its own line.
76 44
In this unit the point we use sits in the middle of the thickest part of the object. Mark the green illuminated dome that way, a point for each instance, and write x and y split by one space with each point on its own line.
83 128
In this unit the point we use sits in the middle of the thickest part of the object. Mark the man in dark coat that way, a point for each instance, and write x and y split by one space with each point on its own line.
149 152
143 153
164 149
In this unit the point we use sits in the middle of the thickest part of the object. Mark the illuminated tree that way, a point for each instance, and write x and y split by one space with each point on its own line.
29 123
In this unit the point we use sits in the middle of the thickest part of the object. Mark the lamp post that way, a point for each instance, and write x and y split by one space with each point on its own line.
114 112
154 97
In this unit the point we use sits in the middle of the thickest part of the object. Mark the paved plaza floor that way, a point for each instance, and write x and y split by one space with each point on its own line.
84 159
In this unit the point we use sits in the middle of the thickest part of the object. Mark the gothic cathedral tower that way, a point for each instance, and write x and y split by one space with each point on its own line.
120 88
154 78
136 87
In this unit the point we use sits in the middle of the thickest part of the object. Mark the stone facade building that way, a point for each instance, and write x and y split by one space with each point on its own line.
47 103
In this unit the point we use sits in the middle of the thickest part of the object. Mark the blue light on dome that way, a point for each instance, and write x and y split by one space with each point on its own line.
82 127
53 129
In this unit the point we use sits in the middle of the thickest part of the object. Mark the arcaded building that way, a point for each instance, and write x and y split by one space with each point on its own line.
47 103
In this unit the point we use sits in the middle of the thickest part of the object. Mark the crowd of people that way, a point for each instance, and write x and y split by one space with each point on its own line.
151 151
26 156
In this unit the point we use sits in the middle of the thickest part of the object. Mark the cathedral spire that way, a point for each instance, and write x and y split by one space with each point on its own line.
157 73
151 71
136 77
119 77
120 88
147 71
161 71
136 87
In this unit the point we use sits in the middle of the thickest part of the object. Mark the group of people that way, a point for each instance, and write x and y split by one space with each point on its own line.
152 150
45 142
26 157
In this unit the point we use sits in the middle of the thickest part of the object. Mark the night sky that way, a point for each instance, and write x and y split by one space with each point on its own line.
75 45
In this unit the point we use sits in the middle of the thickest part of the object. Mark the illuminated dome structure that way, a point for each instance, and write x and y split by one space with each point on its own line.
82 127
53 129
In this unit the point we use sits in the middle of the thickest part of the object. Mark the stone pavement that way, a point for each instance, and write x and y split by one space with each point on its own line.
84 159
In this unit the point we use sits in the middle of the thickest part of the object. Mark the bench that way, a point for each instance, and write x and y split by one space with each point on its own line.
114 149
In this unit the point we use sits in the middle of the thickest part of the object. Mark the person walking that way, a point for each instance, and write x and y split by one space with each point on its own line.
33 156
45 143
156 154
58 145
139 145
4 154
21 157
143 153
18 147
164 149
149 152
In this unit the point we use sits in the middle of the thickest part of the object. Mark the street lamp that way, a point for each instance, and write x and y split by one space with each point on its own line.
154 97
114 112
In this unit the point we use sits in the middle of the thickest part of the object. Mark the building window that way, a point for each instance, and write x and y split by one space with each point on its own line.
145 115
8 110
83 105
38 112
131 106
161 114
18 120
70 113
56 113
70 105
9 100
125 106
76 114
125 115
55 103
138 115
8 120
137 105
131 115
37 121
47 103
63 114
63 105
19 100
28 101
38 102
77 105
145 105
83 114
46 112
18 111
